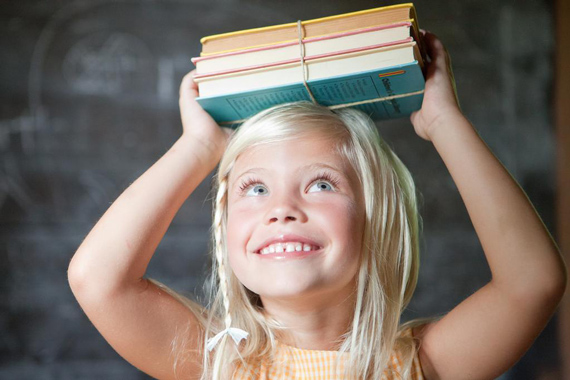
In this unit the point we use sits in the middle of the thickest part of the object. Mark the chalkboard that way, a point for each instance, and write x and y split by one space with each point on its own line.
89 94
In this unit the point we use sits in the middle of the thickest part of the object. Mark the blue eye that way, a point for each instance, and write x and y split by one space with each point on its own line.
320 186
257 190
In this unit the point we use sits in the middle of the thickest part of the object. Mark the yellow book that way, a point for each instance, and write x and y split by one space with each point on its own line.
278 34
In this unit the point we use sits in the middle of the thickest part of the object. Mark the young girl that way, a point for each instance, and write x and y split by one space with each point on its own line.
316 252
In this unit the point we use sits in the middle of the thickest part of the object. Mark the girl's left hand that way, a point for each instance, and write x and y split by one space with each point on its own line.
440 97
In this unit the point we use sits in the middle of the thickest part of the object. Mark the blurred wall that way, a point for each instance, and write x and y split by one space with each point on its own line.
88 94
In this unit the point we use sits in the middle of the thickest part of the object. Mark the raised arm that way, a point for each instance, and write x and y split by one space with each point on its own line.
136 317
488 332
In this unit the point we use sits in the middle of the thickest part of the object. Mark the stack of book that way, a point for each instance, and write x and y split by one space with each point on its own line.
372 60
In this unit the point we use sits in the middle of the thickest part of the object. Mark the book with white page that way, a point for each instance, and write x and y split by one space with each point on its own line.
289 52
352 61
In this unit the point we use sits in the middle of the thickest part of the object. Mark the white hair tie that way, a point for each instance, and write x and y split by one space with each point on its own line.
237 335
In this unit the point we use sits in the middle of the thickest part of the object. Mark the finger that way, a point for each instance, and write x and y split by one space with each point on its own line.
437 51
228 131
413 116
188 88
193 83
434 45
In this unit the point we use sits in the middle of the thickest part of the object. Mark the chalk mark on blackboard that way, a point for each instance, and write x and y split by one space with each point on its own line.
36 108
165 87
22 125
106 64
100 188
508 84
13 186
107 68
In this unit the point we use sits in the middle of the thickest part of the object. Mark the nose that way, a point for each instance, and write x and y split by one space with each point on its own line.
285 210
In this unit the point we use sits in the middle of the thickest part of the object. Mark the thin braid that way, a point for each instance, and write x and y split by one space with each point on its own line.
219 213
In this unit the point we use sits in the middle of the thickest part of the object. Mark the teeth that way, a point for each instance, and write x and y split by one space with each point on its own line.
287 247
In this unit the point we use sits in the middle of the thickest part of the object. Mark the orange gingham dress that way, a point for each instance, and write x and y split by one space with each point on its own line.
296 363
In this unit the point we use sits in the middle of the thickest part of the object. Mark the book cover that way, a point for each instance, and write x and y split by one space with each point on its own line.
402 85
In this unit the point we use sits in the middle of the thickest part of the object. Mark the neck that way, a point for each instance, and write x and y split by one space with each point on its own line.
313 322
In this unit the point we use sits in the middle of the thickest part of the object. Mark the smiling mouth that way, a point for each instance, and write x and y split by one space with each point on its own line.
288 247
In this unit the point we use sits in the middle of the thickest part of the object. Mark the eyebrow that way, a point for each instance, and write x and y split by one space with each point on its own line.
310 167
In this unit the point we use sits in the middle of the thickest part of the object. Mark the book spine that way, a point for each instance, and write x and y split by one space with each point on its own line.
206 39
366 87
306 59
305 41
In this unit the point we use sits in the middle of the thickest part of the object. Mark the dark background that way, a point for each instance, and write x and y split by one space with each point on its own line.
88 101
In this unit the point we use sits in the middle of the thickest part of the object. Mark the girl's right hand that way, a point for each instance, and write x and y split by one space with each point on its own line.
198 125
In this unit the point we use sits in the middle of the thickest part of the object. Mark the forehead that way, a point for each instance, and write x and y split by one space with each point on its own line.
300 152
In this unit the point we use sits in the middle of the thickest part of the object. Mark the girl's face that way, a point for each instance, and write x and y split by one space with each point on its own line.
295 219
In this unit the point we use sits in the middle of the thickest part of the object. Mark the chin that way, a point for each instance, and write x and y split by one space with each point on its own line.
286 289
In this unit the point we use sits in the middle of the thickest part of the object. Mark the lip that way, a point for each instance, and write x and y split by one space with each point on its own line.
287 238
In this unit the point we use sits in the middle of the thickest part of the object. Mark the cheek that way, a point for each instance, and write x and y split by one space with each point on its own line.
345 220
348 225
238 231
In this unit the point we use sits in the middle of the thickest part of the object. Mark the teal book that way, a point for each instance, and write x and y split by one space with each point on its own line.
384 93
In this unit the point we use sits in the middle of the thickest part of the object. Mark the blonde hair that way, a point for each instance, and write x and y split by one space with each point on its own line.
389 262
